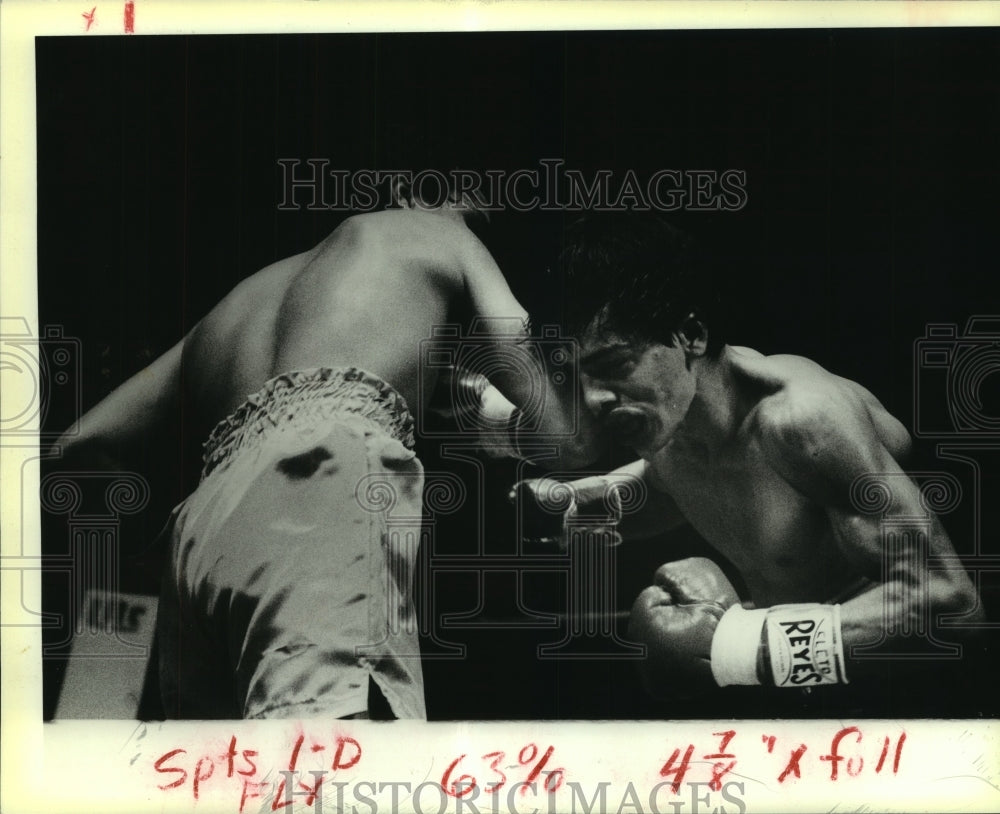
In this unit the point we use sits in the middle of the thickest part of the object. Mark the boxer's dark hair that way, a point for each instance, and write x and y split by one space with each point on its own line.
638 276
477 217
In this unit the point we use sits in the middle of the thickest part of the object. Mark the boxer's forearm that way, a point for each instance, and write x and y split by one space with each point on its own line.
73 452
811 644
909 597
120 423
646 511
527 367
906 605
510 432
559 417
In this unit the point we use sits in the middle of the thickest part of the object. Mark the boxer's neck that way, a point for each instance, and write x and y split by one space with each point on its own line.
719 405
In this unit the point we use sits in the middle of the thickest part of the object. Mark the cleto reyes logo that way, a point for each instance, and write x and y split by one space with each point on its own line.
804 652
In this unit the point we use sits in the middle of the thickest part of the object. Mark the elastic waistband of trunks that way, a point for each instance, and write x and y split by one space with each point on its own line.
313 395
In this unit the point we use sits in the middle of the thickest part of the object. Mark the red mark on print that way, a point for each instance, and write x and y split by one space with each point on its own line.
678 771
159 766
456 784
885 752
89 17
130 17
720 768
524 758
793 764
899 753
202 771
835 757
342 758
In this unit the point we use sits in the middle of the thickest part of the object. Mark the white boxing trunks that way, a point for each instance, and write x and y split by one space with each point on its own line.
288 585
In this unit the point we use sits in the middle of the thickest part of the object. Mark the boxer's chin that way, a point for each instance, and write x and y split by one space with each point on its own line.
655 438
633 427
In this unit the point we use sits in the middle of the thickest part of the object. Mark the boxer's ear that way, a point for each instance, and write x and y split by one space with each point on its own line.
402 193
692 335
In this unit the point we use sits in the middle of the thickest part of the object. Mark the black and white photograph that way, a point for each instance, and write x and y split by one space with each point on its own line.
565 379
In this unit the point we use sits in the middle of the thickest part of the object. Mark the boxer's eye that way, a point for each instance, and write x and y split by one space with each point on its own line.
612 364
614 369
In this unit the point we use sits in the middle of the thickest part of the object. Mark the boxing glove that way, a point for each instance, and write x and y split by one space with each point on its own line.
548 509
676 618
476 408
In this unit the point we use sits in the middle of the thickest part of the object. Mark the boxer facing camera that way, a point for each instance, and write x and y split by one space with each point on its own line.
462 364
957 380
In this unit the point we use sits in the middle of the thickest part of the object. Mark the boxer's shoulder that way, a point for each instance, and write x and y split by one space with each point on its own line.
414 223
803 406
813 408
778 370
410 237
810 421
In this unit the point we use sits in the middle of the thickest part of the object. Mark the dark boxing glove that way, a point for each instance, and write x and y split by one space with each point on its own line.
698 635
544 506
549 509
676 619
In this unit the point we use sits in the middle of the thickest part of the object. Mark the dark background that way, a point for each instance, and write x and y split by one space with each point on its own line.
872 185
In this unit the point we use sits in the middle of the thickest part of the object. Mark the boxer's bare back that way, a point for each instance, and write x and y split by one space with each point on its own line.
364 297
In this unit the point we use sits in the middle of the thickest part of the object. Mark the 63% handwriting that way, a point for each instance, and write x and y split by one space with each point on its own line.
464 784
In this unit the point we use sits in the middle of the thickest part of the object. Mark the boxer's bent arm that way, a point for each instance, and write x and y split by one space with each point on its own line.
121 421
563 420
657 513
821 447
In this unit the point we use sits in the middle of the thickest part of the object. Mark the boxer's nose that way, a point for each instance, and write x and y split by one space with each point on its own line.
598 398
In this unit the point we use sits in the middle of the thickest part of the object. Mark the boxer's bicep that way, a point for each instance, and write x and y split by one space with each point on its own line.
854 457
493 303
500 317
861 485
828 449
530 374
835 456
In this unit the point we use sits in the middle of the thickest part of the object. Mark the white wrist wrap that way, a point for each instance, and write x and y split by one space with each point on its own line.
735 645
805 645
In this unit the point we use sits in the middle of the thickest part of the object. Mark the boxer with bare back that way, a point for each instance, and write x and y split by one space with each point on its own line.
284 594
